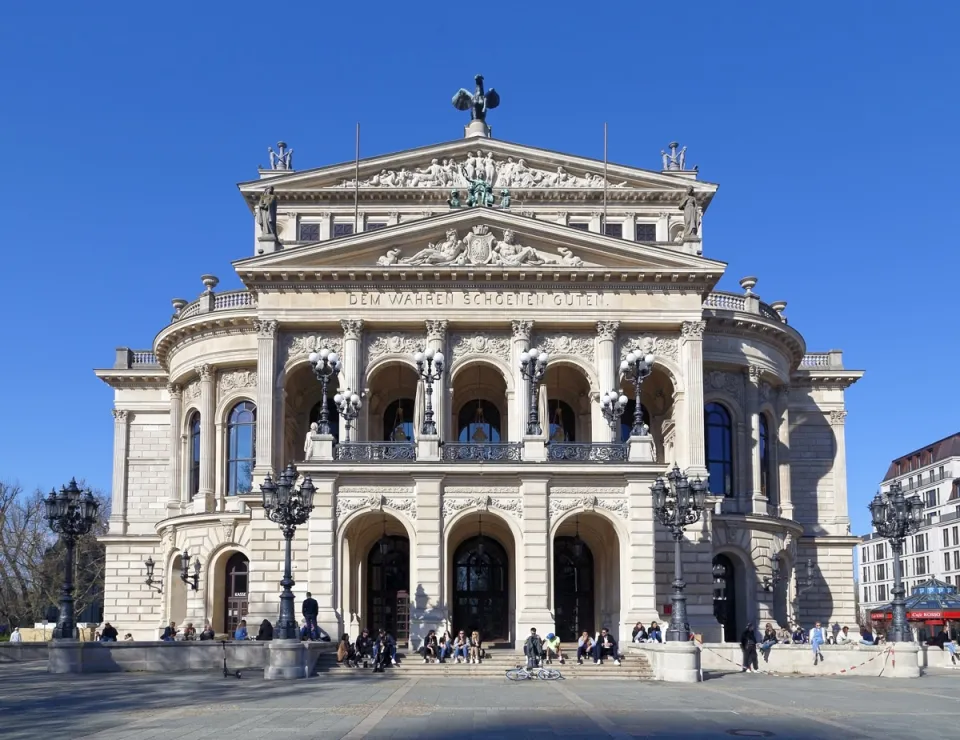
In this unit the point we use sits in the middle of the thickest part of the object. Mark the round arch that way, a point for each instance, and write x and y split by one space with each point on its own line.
391 358
576 362
214 580
671 370
494 363
225 405
742 607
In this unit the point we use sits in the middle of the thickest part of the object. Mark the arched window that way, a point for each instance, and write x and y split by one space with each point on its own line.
563 422
478 422
764 457
333 416
195 453
626 421
719 449
398 421
241 448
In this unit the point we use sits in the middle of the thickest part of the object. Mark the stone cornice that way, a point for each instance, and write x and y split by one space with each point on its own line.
201 327
772 524
148 378
752 326
832 379
213 518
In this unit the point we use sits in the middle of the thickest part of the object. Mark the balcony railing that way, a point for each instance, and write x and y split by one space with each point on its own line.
726 301
494 452
580 452
208 302
375 451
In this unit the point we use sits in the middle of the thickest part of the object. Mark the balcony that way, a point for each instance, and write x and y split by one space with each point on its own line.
581 453
375 451
493 452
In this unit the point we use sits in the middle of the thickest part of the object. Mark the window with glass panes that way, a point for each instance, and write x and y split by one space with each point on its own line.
374 225
342 228
956 559
878 551
646 233
581 225
615 230
308 232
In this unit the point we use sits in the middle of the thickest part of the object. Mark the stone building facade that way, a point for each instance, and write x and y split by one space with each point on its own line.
483 526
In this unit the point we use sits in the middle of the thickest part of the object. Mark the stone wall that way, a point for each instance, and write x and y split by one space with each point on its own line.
812 454
148 471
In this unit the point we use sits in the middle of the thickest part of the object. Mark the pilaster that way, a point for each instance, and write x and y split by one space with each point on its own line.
436 338
266 402
352 359
176 448
203 501
638 587
520 343
533 604
118 505
842 519
606 376
322 561
428 609
758 502
691 360
784 492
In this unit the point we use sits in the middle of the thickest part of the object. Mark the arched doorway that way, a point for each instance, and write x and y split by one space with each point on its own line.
481 599
725 608
388 586
236 591
573 594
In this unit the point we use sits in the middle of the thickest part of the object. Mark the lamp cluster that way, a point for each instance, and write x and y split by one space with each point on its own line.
636 368
612 406
326 366
348 404
533 366
430 369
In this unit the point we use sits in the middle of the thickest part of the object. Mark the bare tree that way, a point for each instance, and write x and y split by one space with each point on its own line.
32 558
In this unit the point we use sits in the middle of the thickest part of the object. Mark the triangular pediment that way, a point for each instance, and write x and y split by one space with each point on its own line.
480 240
452 165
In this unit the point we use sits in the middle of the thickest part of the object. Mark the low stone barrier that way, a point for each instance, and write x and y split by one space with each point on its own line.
164 657
23 652
891 661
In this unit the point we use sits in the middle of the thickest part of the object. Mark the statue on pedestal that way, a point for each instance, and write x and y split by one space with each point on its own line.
689 207
479 102
282 160
267 212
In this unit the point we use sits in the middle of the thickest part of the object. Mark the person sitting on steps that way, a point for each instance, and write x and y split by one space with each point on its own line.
584 647
364 647
461 647
475 647
551 648
385 647
346 654
533 649
605 645
430 650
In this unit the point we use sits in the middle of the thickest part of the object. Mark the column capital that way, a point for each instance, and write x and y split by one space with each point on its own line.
753 374
607 329
120 416
693 329
206 371
266 329
436 329
175 390
352 328
521 329
838 417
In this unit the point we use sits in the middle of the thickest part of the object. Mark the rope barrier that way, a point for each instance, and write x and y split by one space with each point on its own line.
885 654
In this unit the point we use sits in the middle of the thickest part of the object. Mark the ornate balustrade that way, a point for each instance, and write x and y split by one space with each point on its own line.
726 301
586 452
226 301
375 451
494 452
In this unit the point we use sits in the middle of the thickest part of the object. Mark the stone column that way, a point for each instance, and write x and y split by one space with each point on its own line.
266 402
436 338
608 364
638 584
429 608
522 334
533 603
323 562
758 502
118 505
203 501
176 448
693 453
350 375
630 226
841 515
663 226
784 491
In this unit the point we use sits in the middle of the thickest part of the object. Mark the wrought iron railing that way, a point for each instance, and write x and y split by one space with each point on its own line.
586 452
494 452
375 451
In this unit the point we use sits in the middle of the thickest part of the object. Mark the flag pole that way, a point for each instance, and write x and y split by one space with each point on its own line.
603 226
356 186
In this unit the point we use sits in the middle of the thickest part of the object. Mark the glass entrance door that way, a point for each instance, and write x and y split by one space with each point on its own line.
481 600
388 575
573 596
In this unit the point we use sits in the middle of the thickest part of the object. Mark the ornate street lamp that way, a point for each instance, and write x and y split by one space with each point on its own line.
636 368
288 507
770 582
430 369
533 366
348 404
677 503
612 406
70 514
895 517
155 583
192 580
326 366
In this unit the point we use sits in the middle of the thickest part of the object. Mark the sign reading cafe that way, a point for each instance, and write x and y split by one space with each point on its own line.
479 299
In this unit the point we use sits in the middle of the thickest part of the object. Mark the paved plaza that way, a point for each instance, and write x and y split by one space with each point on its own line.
195 705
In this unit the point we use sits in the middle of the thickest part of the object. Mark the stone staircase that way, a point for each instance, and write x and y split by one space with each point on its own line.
409 665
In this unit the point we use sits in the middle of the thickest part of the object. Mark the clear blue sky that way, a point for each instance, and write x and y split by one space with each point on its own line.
831 128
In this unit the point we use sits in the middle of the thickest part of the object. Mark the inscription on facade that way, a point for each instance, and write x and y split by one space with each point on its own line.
477 299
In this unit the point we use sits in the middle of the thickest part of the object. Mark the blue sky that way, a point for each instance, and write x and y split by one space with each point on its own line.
831 128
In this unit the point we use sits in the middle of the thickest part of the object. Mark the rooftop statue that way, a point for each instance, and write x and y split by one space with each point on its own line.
479 102
267 212
282 160
689 207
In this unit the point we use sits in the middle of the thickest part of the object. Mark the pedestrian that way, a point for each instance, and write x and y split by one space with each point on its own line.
817 639
748 644
15 636
311 609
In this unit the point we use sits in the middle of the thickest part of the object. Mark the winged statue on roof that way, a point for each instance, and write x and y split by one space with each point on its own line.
477 102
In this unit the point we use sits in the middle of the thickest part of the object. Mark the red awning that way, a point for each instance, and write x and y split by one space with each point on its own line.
918 615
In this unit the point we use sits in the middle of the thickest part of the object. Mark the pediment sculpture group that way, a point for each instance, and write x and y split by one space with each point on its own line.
480 247
509 173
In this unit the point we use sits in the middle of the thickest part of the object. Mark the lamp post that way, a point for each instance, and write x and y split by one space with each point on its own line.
71 514
533 366
192 580
430 369
895 517
770 582
612 406
154 583
636 368
348 404
326 366
288 507
677 503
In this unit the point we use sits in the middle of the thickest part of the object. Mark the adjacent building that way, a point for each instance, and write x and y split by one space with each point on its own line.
479 248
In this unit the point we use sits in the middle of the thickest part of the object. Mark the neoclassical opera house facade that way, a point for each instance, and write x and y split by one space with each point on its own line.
483 526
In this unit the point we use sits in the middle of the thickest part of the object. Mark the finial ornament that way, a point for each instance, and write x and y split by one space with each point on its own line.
477 103
281 159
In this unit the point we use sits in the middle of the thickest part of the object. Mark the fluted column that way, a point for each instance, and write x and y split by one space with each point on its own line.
266 403
436 338
784 491
522 334
607 376
691 360
203 501
118 504
350 375
176 448
838 418
757 502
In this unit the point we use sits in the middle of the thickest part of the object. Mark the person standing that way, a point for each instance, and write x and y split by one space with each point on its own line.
15 636
817 638
748 644
310 611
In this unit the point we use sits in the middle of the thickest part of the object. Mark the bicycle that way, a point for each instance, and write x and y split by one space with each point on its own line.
522 673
